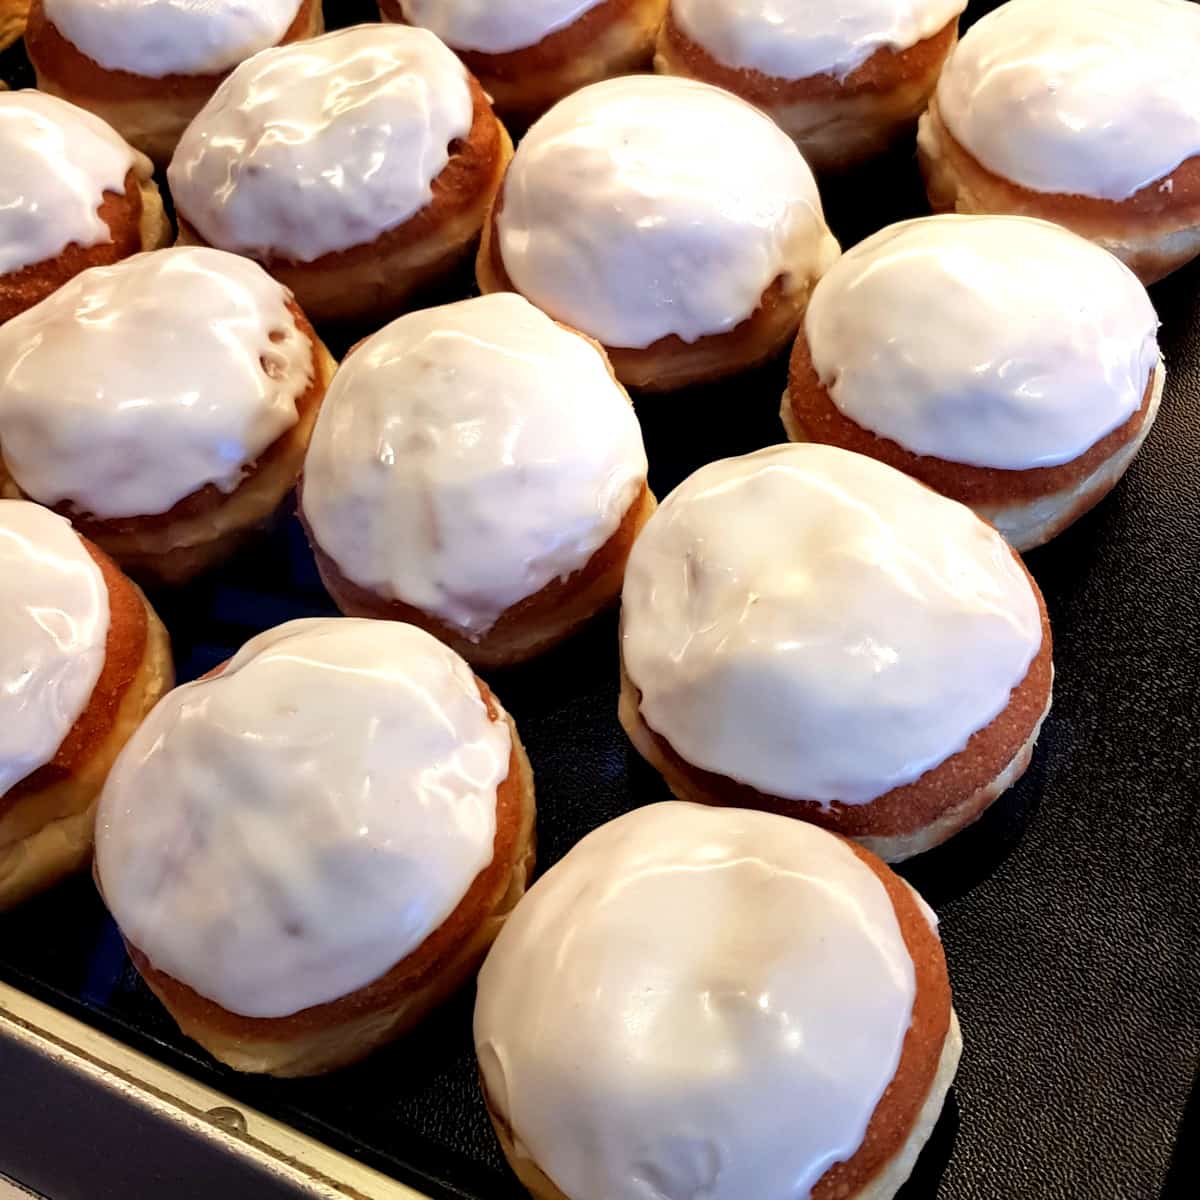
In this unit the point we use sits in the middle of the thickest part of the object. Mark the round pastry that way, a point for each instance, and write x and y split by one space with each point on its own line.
845 81
1084 112
665 218
13 14
718 1003
309 849
148 66
73 195
809 631
83 658
356 167
527 54
187 429
1022 384
476 470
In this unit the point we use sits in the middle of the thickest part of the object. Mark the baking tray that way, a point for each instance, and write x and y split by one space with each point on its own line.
1070 913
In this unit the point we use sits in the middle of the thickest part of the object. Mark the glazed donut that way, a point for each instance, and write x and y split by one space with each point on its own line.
187 429
356 167
717 1003
528 54
809 631
1084 112
665 218
476 470
1022 383
148 66
845 81
73 195
13 14
83 658
309 849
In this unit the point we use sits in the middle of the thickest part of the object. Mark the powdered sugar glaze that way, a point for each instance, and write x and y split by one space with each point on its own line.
178 393
669 997
646 206
1083 97
284 833
54 619
314 147
819 626
494 26
468 455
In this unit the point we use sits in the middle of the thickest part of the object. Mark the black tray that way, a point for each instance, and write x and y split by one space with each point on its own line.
1069 913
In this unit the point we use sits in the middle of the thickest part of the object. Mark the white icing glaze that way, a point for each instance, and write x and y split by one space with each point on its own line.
819 626
53 630
170 37
466 456
56 163
1029 343
314 147
282 834
795 39
1082 97
647 206
494 26
176 392
695 1002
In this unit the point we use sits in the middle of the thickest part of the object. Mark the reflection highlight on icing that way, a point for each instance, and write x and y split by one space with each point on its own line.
468 455
646 206
155 38
282 834
321 145
1029 343
56 163
1085 97
695 1002
819 626
54 619
494 26
176 395
801 38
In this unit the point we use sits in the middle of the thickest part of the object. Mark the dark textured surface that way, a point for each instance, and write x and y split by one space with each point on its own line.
1070 913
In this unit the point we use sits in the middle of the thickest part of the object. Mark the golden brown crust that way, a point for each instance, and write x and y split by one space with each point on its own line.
82 78
206 527
900 1106
905 810
613 38
124 650
349 284
530 627
121 212
418 972
884 71
820 420
13 14
670 362
1139 229
46 821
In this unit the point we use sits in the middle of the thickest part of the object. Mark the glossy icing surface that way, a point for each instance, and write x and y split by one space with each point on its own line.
494 26
282 834
621 219
695 1002
794 39
194 367
468 455
171 37
324 144
56 163
819 626
1029 343
54 621
1083 97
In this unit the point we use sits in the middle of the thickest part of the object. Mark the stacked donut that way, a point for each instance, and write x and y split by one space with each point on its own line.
830 649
